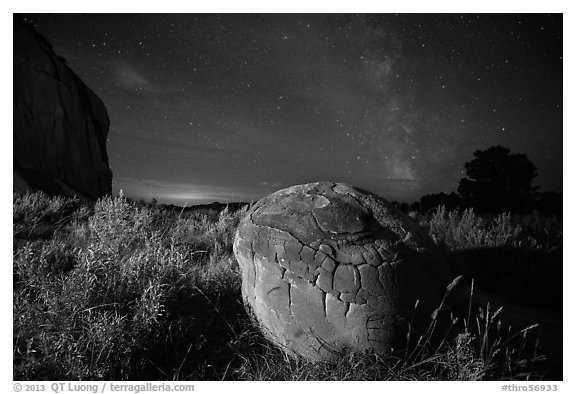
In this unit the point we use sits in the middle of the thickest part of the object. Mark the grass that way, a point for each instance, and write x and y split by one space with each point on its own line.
517 257
127 291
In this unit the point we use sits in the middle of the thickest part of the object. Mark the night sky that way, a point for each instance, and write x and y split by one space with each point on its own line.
235 106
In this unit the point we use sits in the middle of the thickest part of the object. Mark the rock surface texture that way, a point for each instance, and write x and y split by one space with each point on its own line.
328 268
60 125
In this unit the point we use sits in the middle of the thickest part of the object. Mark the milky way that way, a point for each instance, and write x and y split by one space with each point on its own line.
232 107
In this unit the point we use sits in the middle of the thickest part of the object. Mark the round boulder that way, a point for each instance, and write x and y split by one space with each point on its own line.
328 268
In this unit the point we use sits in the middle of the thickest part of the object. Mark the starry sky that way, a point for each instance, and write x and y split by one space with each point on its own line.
231 107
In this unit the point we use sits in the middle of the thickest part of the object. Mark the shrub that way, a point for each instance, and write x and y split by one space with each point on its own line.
466 230
464 348
36 215
123 291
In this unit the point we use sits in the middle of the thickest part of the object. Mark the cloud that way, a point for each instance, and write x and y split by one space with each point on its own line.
401 170
350 103
66 53
128 77
183 192
269 184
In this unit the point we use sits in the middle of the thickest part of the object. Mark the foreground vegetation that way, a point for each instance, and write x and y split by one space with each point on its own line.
122 290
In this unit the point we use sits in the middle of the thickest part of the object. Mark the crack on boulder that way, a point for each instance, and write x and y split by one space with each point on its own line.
346 309
273 289
342 279
275 229
290 300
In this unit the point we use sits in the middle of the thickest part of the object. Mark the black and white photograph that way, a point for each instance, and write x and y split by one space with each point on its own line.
287 196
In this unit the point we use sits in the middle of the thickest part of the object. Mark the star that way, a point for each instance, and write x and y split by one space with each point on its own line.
343 86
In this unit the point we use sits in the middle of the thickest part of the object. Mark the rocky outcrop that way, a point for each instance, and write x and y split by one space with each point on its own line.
60 125
327 268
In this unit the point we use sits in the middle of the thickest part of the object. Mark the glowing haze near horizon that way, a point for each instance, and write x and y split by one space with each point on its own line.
232 107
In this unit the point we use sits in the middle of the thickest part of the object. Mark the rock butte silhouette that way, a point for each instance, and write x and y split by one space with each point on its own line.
327 267
60 125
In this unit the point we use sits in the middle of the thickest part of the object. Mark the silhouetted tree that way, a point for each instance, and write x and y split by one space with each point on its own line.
429 202
498 181
404 207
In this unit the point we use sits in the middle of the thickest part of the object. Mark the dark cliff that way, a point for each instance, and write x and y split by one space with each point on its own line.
60 125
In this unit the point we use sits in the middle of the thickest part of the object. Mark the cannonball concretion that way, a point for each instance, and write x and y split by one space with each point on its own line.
328 268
